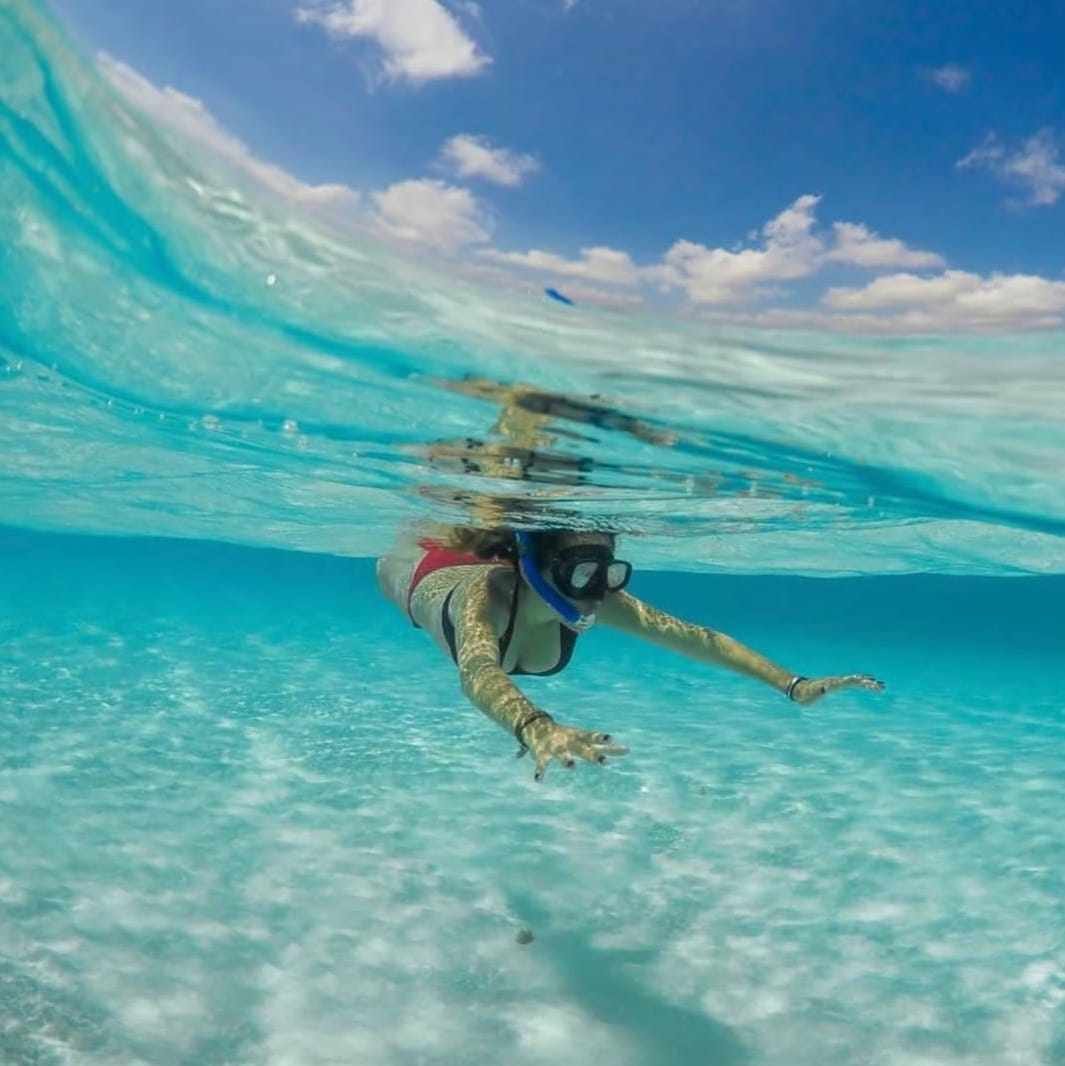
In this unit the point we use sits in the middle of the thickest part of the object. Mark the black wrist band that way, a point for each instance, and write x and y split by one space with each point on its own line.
792 684
519 729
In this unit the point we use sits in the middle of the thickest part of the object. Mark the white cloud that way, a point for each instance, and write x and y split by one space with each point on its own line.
989 152
470 156
421 39
950 77
1034 166
595 264
858 245
901 290
187 116
789 250
424 211
958 299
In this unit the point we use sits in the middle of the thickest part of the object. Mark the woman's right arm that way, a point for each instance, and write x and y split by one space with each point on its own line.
477 654
491 690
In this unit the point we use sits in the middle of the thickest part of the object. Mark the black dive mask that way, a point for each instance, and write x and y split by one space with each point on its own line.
588 572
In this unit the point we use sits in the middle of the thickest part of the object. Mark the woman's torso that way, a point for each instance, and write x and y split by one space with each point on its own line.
431 605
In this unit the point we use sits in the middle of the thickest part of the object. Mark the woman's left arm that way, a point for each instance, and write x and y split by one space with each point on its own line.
627 613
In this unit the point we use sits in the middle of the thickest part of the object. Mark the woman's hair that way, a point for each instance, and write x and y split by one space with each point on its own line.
484 543
501 543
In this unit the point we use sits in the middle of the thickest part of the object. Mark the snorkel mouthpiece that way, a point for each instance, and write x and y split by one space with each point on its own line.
555 600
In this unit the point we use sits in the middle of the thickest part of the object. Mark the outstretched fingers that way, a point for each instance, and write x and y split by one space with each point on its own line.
595 747
864 681
568 744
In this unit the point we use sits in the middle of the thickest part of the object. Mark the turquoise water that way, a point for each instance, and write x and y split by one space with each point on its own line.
246 815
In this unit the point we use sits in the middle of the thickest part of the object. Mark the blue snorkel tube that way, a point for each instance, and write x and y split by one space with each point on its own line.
555 600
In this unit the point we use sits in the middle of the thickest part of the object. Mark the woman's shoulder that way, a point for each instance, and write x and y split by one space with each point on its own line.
497 578
462 574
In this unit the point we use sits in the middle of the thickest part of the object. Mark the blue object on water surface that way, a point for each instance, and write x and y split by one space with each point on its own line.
561 297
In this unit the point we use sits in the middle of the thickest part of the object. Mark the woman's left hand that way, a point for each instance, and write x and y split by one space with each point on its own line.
812 689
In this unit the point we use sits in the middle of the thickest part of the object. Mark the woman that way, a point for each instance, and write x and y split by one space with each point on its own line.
501 603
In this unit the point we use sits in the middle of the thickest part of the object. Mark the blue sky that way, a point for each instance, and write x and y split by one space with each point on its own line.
883 165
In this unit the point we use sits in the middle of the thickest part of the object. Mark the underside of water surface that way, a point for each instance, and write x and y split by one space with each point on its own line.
247 814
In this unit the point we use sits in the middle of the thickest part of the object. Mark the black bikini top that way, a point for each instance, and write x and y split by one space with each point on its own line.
567 638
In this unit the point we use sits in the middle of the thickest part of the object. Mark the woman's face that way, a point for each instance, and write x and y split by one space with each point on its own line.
585 604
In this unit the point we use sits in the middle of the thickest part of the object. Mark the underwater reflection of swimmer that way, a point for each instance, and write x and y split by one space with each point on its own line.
526 433
502 602
473 456
524 445
526 410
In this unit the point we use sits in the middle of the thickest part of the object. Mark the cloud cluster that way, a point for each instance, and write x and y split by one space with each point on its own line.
789 250
421 40
424 211
958 298
788 247
1034 166
470 156
723 284
857 245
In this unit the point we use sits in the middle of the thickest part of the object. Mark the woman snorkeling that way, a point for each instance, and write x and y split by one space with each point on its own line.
503 603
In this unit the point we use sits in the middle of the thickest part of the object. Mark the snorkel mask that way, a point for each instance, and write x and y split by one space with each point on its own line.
584 571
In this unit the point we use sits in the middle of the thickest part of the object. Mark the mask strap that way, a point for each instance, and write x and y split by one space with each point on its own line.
562 607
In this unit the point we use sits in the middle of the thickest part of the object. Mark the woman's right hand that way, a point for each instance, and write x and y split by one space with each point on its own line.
548 739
